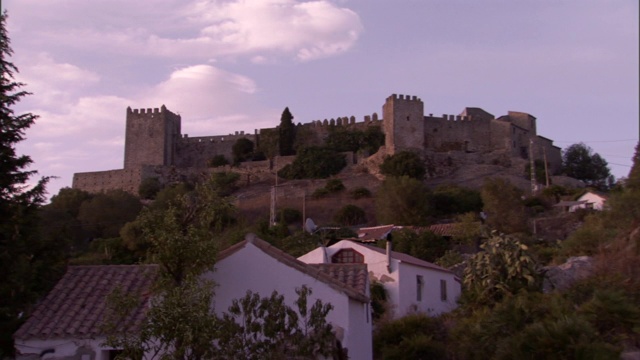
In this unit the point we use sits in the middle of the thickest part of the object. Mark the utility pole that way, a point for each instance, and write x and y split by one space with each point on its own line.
274 194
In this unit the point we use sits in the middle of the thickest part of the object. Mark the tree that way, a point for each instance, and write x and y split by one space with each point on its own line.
503 206
580 162
633 181
242 150
180 323
424 245
350 215
404 163
149 187
267 328
314 163
26 267
402 201
502 268
286 133
103 215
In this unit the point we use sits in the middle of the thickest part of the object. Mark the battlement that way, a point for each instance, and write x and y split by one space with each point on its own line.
395 97
449 117
345 121
218 138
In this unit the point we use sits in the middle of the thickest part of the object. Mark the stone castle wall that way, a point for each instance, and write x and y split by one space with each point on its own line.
155 147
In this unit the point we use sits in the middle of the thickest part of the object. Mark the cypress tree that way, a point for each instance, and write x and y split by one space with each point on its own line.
24 275
286 133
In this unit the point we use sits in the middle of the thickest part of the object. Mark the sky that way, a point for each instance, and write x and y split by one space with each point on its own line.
234 65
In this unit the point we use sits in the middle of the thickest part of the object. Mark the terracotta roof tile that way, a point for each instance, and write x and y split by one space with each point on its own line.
372 234
76 305
353 275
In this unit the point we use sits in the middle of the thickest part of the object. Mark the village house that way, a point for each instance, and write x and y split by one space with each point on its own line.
412 285
68 323
590 200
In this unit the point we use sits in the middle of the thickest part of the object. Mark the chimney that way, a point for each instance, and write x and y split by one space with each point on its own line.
389 245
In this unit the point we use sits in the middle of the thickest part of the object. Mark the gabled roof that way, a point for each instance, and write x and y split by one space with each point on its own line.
76 306
331 277
402 257
353 275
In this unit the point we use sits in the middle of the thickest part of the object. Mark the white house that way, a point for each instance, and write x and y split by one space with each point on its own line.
68 322
590 200
412 285
255 265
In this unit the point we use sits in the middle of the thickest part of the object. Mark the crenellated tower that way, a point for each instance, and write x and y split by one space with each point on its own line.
403 118
151 137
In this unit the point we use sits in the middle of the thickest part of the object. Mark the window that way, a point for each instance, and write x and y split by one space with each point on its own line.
347 256
419 287
443 290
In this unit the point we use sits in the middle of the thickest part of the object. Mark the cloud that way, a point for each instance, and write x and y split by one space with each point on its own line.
198 30
210 100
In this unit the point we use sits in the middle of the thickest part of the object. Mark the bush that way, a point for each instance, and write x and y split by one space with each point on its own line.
412 337
218 160
350 215
149 188
314 163
319 193
360 192
289 216
334 185
404 163
242 150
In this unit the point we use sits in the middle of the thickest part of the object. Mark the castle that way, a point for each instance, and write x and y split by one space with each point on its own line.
155 146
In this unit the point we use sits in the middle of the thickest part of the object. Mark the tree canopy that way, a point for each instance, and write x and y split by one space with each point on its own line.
404 163
580 162
26 266
286 133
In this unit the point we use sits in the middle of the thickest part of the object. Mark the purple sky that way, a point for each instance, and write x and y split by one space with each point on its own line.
229 66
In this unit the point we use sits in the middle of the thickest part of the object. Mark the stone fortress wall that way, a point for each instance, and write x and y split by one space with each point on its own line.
155 146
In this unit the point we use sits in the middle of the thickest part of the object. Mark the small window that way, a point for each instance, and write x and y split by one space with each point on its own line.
443 290
347 256
419 287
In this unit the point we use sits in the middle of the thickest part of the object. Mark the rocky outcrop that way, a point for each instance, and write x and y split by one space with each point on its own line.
563 276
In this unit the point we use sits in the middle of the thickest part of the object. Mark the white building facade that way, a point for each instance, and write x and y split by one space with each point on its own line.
412 285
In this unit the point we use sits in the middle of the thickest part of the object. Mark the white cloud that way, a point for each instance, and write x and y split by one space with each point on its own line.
198 29
210 100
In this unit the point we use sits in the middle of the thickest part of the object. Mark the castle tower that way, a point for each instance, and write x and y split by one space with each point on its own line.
151 137
403 118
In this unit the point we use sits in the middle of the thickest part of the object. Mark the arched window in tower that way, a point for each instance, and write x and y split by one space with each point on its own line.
347 256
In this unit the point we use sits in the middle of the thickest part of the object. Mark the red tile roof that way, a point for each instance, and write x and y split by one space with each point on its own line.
353 275
75 308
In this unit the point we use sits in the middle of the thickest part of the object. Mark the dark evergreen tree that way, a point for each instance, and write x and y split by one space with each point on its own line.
633 181
22 255
286 133
580 162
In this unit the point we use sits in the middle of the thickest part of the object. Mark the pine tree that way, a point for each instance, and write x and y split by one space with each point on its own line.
286 133
20 254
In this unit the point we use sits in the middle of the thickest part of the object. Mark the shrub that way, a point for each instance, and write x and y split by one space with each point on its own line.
350 215
334 185
314 163
320 193
412 337
242 150
149 187
404 163
218 160
289 216
360 192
